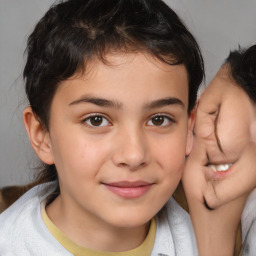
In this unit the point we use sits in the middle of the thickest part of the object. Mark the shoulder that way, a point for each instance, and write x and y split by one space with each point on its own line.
25 205
21 224
249 212
174 224
248 221
177 217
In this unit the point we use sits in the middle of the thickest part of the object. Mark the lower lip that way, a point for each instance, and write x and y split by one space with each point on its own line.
129 193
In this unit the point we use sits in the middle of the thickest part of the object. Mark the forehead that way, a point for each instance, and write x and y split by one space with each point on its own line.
137 76
233 94
223 79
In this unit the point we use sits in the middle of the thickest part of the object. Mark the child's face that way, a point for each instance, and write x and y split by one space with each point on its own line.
118 137
236 130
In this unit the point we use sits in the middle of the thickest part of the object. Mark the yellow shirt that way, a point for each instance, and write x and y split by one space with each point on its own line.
143 250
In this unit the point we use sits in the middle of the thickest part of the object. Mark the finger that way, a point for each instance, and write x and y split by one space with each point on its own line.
207 120
193 176
207 112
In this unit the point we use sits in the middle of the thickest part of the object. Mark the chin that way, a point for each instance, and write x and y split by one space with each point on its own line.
214 199
137 222
212 203
131 221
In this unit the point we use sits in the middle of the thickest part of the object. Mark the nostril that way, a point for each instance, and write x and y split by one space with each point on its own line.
132 167
122 165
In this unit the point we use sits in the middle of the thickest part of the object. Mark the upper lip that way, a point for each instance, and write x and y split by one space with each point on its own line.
221 162
215 164
129 184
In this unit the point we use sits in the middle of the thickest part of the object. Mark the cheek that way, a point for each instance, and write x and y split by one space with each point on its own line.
77 155
234 125
91 158
171 154
234 136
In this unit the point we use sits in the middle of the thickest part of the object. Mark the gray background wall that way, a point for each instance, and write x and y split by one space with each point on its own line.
218 25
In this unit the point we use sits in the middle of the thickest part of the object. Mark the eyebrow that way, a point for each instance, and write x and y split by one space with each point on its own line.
118 105
97 101
165 102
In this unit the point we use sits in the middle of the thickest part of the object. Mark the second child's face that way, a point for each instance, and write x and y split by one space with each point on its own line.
236 129
118 137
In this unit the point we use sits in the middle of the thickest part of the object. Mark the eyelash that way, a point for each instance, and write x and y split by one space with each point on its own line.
89 119
102 119
167 118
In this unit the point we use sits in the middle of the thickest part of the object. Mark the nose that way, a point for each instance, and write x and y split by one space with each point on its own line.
131 149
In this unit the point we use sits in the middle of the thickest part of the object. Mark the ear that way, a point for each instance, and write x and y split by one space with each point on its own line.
190 136
38 136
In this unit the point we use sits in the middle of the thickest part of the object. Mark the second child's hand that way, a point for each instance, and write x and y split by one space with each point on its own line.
215 228
215 214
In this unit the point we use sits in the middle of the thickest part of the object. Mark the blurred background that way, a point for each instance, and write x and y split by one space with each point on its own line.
218 26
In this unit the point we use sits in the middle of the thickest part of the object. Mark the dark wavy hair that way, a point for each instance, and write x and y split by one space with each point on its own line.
72 33
242 64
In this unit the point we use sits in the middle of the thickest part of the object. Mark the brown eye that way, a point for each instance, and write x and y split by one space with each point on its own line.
96 121
160 120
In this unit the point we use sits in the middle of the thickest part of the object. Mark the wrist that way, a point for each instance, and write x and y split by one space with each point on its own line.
216 229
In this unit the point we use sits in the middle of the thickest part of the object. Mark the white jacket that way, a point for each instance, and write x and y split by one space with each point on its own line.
249 226
23 232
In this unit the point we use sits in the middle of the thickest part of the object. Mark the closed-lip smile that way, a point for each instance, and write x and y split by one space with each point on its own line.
129 189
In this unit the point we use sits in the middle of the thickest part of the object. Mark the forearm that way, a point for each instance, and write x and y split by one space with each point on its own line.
216 229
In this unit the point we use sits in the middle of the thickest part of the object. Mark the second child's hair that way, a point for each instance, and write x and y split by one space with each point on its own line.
74 33
242 64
